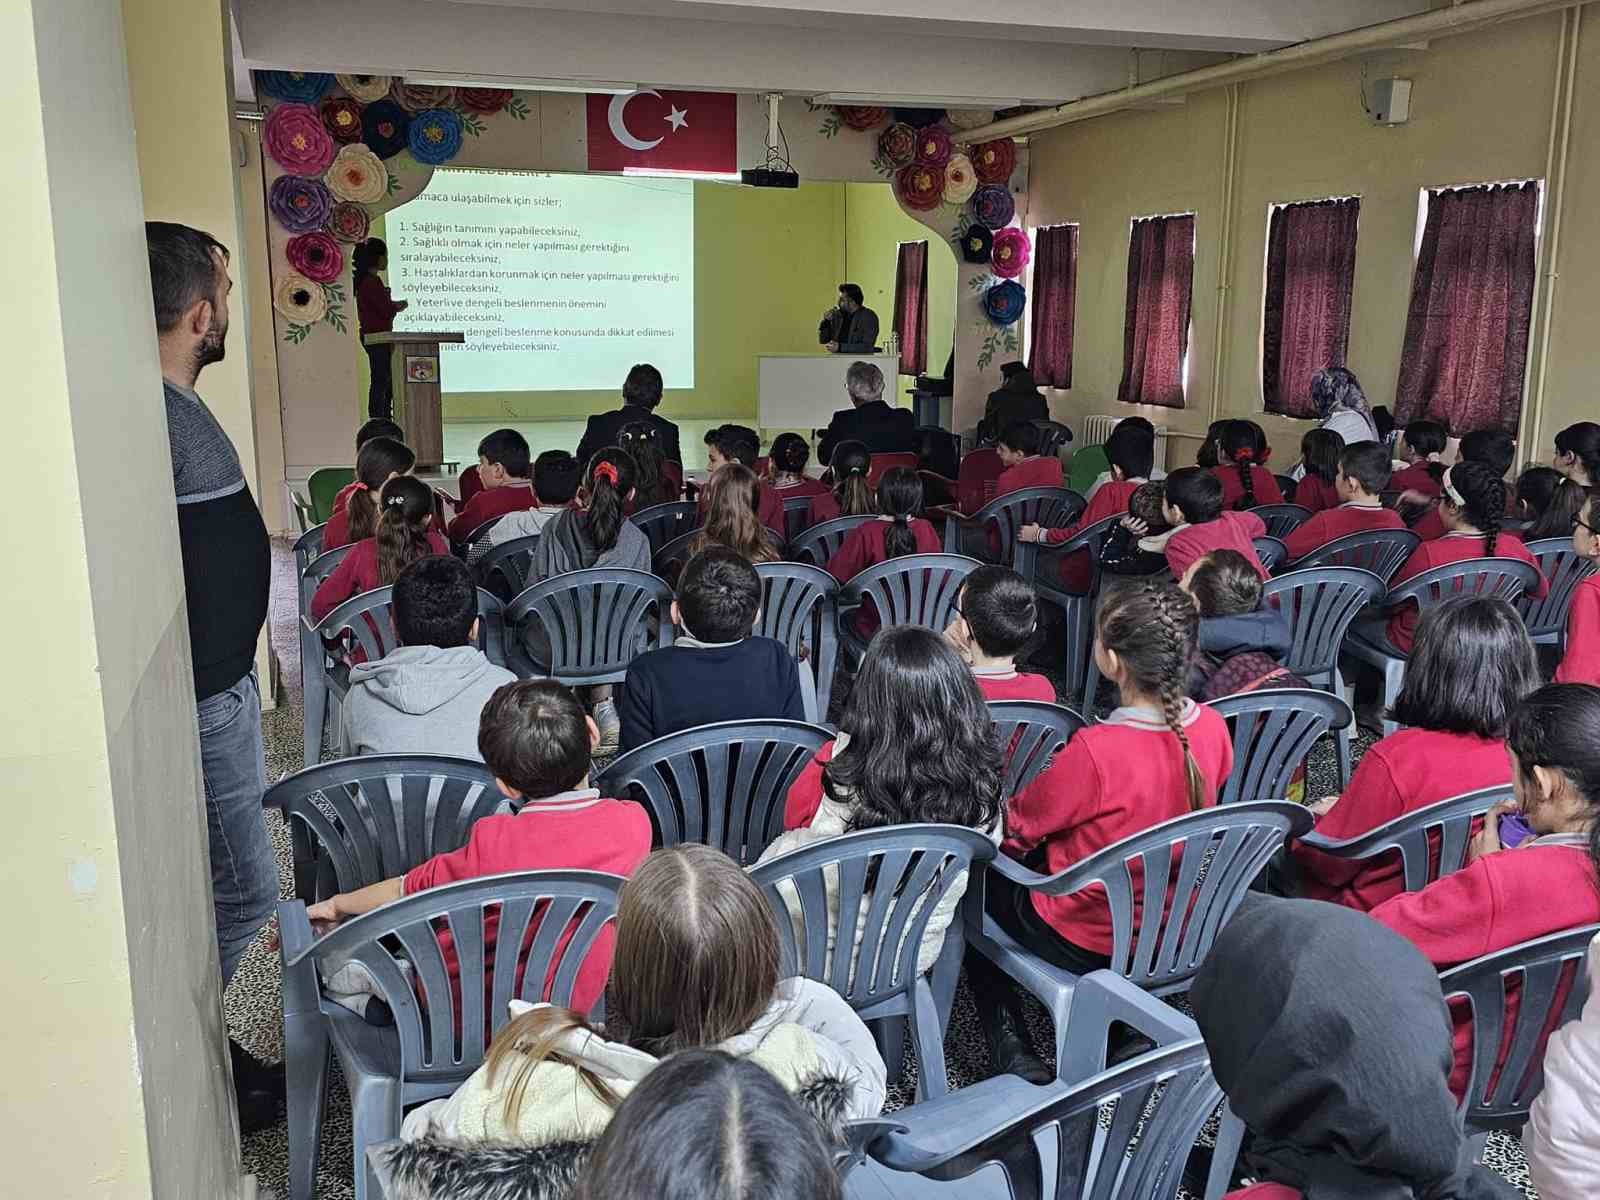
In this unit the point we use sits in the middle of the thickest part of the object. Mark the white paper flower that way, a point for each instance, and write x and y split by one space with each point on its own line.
358 174
959 118
366 88
299 300
960 181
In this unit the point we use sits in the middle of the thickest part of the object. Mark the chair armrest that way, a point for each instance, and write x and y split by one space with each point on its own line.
301 991
1098 999
941 1128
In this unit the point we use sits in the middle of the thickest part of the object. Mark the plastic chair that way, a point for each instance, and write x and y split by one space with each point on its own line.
324 487
1053 435
1559 563
364 820
1159 946
887 883
914 589
1033 732
1381 551
1282 519
510 561
1004 1139
799 607
974 484
1088 464
1271 551
1041 567
1288 485
822 541
304 515
480 530
674 556
1321 604
1368 641
796 516
722 785
878 465
307 547
591 624
660 523
1273 731
427 1053
1049 506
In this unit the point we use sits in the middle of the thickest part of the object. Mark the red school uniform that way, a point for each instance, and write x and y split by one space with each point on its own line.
489 504
357 573
1417 478
1339 522
1230 531
1266 1191
1109 500
1034 471
863 547
1405 771
1430 525
1265 484
1544 886
824 506
574 831
1112 780
1581 663
1313 494
1008 683
805 793
1451 548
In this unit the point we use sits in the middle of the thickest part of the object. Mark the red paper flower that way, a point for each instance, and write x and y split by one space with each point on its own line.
863 118
349 222
920 187
994 161
316 256
341 117
933 146
1011 252
294 136
483 100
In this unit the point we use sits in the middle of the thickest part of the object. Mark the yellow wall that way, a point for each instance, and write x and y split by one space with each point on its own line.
1482 109
875 225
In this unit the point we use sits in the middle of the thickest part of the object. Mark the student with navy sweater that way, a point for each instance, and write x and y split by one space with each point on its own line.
1362 477
716 670
997 615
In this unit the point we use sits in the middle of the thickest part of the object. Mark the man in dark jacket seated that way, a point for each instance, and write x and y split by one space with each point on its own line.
1017 398
641 393
882 428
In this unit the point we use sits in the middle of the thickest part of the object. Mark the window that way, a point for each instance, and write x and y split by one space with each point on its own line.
1054 297
1156 320
1466 344
911 306
1305 326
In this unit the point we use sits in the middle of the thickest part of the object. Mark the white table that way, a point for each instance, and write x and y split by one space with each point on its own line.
802 391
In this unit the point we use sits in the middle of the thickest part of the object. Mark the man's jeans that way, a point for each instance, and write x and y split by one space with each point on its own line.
244 872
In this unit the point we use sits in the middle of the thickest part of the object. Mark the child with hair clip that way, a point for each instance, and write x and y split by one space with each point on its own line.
1193 508
1581 662
1547 503
660 480
1548 884
376 428
378 461
852 467
1158 756
731 502
403 535
1319 457
697 966
1131 452
997 615
1242 454
1492 448
1241 644
788 460
1422 449
1363 476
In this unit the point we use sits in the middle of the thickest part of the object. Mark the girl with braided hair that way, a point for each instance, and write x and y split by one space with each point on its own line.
1158 756
1241 466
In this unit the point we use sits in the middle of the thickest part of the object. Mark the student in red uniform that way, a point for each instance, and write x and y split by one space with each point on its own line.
1319 456
729 503
376 310
1242 454
1471 666
739 444
1130 451
1330 1040
1495 449
1548 883
1363 476
401 538
900 528
375 428
1581 663
1158 756
1472 507
377 462
788 459
997 615
1578 453
660 480
537 740
1024 466
1193 508
1422 448
1548 503
852 467
505 469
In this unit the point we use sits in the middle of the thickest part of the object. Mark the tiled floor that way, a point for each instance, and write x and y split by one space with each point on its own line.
254 1007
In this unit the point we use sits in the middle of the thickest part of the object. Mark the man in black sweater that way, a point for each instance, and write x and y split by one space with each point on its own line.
882 428
715 671
641 395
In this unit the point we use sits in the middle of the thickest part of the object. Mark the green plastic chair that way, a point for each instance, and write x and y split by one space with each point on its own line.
1088 462
324 486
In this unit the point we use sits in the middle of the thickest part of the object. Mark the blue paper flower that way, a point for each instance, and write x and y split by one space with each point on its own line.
436 135
977 244
302 87
994 206
1004 302
385 127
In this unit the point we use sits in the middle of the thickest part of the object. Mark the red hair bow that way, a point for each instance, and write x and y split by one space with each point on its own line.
608 472
1243 454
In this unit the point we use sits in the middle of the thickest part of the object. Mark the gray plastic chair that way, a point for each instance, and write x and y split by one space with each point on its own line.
1271 551
796 516
1041 567
1559 563
512 562
914 589
317 570
1231 844
428 1052
1032 732
888 882
1381 551
1273 730
1549 977
799 607
1432 842
660 523
1054 507
591 624
722 785
821 542
313 658
1368 642
1321 604
482 529
1288 485
307 546
1282 519
672 557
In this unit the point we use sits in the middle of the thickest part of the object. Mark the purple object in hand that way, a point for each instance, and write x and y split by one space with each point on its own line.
1514 830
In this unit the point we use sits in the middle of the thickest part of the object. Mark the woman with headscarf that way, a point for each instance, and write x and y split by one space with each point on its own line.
1330 1036
1342 407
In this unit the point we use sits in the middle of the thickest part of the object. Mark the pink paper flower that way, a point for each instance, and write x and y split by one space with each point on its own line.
933 146
994 161
295 138
920 187
1012 250
349 222
316 256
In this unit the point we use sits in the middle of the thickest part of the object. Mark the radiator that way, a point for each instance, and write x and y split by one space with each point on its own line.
1098 426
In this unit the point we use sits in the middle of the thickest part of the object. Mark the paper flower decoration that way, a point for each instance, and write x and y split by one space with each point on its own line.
385 126
358 175
994 161
933 146
416 97
483 100
436 135
294 136
1012 251
863 118
366 88
968 118
300 205
316 256
919 118
349 222
977 244
920 188
301 87
299 300
341 117
959 181
897 145
993 206
1004 303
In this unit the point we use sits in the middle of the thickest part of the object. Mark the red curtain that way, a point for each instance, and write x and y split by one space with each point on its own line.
1156 324
911 306
1471 304
1054 299
1311 271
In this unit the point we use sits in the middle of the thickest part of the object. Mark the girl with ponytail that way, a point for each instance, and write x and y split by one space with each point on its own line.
1242 456
403 536
789 456
595 532
1157 756
899 530
851 465
1548 503
377 462
1578 453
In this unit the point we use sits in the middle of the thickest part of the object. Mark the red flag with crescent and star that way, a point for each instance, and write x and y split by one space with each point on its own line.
664 131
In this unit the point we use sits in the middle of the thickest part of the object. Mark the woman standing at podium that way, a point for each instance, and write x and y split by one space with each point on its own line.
375 312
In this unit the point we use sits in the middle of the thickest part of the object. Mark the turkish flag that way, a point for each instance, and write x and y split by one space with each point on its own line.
664 131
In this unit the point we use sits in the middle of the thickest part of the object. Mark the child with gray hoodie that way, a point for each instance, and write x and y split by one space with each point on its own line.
426 696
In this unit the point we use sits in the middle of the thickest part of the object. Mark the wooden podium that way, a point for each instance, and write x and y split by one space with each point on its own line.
415 358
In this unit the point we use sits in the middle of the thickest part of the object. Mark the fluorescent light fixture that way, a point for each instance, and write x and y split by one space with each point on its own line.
914 101
525 83
664 173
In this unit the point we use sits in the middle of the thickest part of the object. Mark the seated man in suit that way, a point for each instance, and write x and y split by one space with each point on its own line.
883 429
849 327
641 393
1017 398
